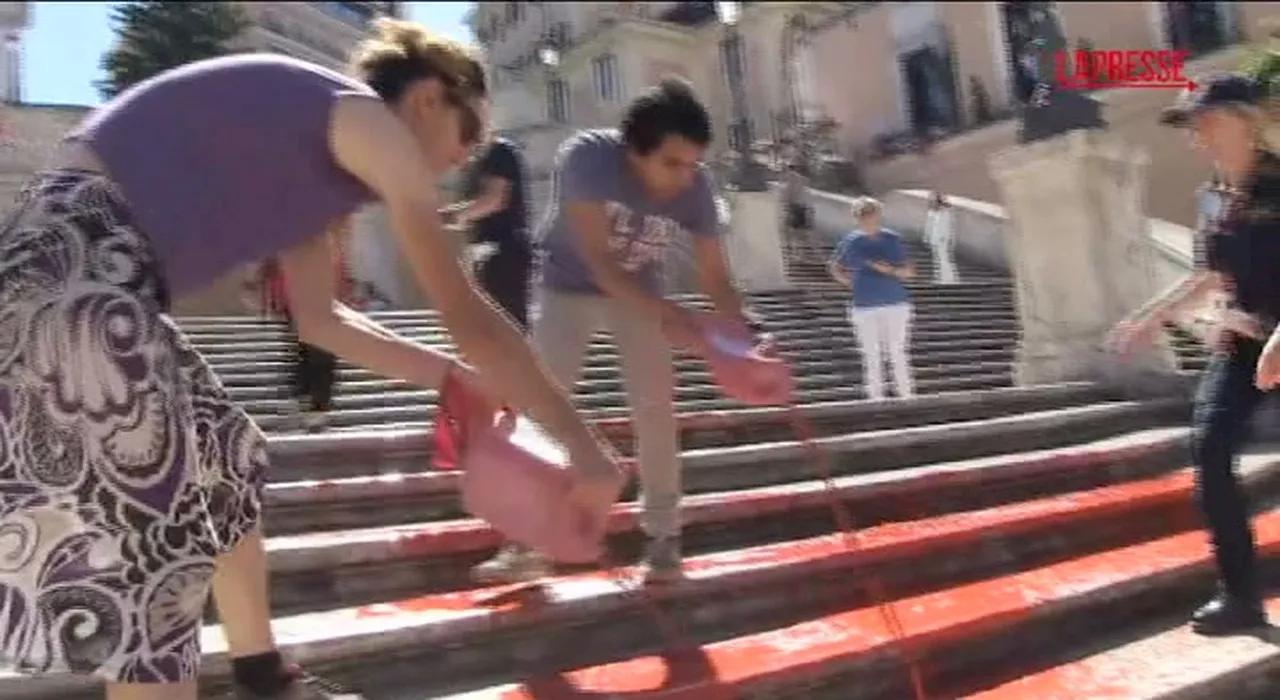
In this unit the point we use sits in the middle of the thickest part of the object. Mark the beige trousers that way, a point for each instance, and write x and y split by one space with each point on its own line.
562 332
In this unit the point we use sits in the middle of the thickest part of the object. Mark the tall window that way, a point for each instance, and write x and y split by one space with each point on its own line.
560 32
604 74
731 59
558 101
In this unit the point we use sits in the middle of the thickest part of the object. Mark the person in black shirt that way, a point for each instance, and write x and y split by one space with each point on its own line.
495 208
1243 258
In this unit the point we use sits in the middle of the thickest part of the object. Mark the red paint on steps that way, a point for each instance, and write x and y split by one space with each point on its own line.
1100 678
889 541
433 539
792 653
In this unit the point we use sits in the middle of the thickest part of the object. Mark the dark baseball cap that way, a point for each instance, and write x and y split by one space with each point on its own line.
1224 90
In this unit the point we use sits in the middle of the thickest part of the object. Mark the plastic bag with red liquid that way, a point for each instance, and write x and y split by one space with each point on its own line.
514 476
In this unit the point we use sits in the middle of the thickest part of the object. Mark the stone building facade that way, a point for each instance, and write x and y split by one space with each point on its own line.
884 73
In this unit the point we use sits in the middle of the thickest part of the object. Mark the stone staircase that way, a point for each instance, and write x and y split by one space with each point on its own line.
1037 543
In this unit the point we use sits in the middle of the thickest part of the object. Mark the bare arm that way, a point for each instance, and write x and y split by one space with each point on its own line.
372 143
1170 303
493 199
903 272
323 320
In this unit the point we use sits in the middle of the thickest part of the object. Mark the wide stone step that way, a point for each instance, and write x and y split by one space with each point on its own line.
698 426
824 290
811 300
276 415
603 353
828 316
1166 660
958 331
818 373
367 565
955 633
478 631
961 583
395 486
351 379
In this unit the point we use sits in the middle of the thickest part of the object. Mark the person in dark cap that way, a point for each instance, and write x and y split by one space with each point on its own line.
1228 125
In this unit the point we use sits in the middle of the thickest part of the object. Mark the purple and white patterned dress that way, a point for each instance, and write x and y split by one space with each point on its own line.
125 469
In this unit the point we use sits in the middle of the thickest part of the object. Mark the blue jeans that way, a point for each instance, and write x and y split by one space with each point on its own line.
1224 404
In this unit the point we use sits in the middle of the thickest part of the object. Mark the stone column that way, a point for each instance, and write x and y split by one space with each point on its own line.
754 240
1080 252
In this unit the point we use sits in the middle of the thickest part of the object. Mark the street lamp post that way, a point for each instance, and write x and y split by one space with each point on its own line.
749 176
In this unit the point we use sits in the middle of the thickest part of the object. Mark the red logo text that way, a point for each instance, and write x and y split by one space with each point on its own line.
1090 70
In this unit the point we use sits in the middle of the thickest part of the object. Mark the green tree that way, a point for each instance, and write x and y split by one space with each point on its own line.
153 37
1264 66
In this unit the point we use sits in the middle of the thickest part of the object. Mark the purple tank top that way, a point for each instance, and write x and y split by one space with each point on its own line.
227 161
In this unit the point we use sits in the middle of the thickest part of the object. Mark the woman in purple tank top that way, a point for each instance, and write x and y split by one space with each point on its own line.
130 484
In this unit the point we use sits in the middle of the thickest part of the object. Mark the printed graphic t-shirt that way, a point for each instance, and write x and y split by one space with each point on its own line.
592 167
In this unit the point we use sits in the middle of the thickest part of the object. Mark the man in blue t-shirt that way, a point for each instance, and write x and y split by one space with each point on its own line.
620 197
873 263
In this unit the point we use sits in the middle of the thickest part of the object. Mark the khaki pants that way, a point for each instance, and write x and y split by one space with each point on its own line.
561 334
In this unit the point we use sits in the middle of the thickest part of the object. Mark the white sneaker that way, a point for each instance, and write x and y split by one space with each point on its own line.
512 564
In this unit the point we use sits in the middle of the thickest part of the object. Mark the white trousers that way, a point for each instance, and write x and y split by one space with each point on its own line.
944 264
884 330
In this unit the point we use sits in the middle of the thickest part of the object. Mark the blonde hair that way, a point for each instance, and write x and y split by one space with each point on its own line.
401 52
865 206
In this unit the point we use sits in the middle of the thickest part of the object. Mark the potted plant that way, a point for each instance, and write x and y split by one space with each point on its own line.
1264 67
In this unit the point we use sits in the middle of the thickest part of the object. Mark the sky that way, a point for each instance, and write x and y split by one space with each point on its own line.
67 39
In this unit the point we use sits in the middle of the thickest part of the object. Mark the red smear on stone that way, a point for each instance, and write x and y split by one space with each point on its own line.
971 611
468 535
889 541
1099 678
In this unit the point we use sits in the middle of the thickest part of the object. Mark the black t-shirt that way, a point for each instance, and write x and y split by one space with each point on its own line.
507 228
1245 247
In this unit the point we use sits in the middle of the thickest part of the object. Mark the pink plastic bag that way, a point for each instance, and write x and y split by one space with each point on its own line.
515 477
746 369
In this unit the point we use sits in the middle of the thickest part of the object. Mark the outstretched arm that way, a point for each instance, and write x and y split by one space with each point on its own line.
375 146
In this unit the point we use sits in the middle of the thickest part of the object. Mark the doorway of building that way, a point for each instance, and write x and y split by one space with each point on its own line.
930 86
1196 27
1020 57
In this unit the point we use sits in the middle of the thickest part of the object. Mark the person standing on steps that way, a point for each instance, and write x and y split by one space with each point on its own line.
1243 256
799 214
619 197
314 371
872 262
132 483
496 211
939 233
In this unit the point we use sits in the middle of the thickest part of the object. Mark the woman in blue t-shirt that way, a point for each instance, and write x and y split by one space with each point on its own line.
873 263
